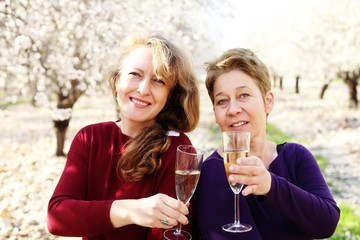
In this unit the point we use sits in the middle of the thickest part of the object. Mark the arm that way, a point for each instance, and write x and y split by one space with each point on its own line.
304 201
306 209
295 190
148 212
71 211
69 214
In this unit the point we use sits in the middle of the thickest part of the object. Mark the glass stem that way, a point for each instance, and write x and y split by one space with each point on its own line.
237 209
178 228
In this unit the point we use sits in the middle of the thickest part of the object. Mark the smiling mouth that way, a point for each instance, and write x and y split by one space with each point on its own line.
238 124
139 102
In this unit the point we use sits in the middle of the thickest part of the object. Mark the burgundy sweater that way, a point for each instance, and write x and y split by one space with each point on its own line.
80 204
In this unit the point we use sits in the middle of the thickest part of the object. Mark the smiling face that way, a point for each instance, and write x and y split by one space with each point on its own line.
239 105
140 94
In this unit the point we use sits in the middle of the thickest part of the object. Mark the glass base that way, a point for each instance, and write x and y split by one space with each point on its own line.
172 234
236 228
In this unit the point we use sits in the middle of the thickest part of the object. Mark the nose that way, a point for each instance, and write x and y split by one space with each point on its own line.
144 87
234 108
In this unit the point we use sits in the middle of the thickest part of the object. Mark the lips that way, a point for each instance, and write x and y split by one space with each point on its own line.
139 102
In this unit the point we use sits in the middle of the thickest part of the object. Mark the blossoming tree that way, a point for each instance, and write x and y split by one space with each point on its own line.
57 48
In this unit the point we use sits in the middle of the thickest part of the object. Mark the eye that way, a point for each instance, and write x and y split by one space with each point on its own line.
243 95
221 102
159 81
134 74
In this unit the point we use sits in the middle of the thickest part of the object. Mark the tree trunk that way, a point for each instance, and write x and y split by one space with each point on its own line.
281 83
274 78
297 84
323 89
351 82
60 128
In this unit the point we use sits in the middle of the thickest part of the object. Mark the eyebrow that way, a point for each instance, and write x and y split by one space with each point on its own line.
240 87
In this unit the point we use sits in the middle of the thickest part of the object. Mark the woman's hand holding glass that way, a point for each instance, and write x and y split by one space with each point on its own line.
252 172
149 212
187 172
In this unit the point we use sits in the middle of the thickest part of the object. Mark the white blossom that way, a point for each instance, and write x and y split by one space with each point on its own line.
22 42
38 69
42 99
61 114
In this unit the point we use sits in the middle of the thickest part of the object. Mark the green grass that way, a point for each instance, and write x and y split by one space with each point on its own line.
18 102
349 224
215 131
274 134
321 162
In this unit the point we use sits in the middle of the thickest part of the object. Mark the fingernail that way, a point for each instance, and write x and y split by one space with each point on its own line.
231 168
238 161
231 178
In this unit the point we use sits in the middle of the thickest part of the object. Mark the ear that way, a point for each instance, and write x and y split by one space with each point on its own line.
269 101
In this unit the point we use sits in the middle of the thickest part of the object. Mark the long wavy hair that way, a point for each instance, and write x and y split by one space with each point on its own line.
142 156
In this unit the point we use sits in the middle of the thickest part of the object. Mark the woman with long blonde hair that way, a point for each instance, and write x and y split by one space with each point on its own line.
119 178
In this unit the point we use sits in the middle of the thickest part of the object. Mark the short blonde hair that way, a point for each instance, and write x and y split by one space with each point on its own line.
238 59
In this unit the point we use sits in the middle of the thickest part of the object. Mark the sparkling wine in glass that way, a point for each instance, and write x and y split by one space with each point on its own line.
236 145
187 173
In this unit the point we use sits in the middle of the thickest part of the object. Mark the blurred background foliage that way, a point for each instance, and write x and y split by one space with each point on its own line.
58 49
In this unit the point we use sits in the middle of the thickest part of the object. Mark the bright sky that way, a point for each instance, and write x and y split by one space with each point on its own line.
256 13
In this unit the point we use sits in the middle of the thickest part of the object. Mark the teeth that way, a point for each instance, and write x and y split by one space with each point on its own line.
238 124
140 103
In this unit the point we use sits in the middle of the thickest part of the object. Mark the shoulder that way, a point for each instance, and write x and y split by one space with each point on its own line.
293 148
97 130
213 163
102 127
214 156
110 125
297 154
178 138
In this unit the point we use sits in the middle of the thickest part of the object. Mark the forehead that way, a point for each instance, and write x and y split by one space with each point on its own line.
233 80
139 57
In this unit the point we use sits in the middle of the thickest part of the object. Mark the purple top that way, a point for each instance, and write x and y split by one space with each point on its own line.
298 206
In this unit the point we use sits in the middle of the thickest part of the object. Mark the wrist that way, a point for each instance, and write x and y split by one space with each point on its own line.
119 213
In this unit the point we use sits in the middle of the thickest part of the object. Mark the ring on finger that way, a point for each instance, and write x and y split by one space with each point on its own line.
166 222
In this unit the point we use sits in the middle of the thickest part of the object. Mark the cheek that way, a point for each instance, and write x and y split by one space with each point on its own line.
117 85
218 116
161 96
123 85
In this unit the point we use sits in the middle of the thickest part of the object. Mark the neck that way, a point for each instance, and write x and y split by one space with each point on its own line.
257 147
132 128
129 129
265 150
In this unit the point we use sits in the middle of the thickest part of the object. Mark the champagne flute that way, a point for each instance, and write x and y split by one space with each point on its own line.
236 145
187 172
